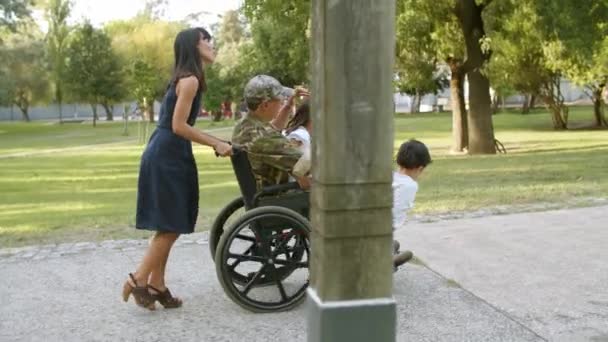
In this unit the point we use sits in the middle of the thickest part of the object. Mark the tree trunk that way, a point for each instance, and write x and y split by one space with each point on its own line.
413 104
481 131
416 100
94 107
109 111
25 113
150 111
125 116
554 101
59 98
460 130
532 103
525 109
217 115
598 107
557 113
23 104
496 100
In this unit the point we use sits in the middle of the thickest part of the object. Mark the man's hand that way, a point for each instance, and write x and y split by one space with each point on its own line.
298 92
304 182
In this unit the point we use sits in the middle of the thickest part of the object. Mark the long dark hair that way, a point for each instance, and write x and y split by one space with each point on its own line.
188 61
301 118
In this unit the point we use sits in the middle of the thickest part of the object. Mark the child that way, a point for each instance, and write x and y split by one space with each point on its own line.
412 158
298 130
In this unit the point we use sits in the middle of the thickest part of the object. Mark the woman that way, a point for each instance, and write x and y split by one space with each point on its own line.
167 194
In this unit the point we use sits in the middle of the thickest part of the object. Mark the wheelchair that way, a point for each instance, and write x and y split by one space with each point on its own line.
260 243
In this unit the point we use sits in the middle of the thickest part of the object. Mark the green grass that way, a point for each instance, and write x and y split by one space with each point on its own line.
541 165
54 192
18 137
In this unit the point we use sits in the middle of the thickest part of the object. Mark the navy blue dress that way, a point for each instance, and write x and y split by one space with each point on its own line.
167 190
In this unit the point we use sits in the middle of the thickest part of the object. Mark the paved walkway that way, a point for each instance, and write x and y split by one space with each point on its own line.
523 277
547 270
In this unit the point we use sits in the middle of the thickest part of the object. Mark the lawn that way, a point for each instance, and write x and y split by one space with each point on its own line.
75 182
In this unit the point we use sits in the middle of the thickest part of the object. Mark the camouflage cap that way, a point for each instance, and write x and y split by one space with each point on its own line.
263 88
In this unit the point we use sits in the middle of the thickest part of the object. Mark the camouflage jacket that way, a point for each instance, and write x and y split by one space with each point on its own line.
272 156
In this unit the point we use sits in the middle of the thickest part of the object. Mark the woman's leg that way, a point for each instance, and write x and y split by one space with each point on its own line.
156 255
157 276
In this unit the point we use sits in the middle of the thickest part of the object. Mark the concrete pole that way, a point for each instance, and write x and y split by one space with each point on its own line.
352 48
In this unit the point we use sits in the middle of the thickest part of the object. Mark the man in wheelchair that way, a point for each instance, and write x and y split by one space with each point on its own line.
271 155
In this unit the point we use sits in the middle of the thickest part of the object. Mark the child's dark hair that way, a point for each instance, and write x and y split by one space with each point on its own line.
413 154
301 118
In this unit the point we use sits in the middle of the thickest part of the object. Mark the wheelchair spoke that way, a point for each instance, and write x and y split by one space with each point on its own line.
242 257
239 260
293 264
275 274
253 280
306 247
246 238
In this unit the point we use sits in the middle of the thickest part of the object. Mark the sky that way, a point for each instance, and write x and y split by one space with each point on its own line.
102 11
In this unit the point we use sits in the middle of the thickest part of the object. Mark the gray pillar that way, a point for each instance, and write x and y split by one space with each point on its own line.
352 47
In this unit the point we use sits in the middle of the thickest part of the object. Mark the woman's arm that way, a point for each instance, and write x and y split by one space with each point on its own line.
186 91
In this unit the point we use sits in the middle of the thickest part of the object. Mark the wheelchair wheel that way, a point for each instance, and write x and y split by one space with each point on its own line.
229 214
262 259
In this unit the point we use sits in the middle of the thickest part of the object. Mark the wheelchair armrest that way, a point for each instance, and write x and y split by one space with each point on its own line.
275 189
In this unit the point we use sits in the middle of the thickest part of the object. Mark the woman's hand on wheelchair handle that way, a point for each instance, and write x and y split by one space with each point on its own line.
223 149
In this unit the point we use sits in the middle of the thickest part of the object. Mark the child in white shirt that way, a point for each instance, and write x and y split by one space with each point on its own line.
412 158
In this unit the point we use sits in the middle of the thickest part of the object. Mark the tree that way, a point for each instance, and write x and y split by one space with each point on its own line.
12 12
93 73
145 49
455 31
416 64
155 9
481 130
231 29
228 75
280 33
576 46
23 76
57 13
519 63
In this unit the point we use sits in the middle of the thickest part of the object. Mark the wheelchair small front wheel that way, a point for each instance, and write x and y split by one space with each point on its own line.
262 259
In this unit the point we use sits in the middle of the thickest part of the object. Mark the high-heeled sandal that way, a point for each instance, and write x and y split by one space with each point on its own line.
165 298
140 294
